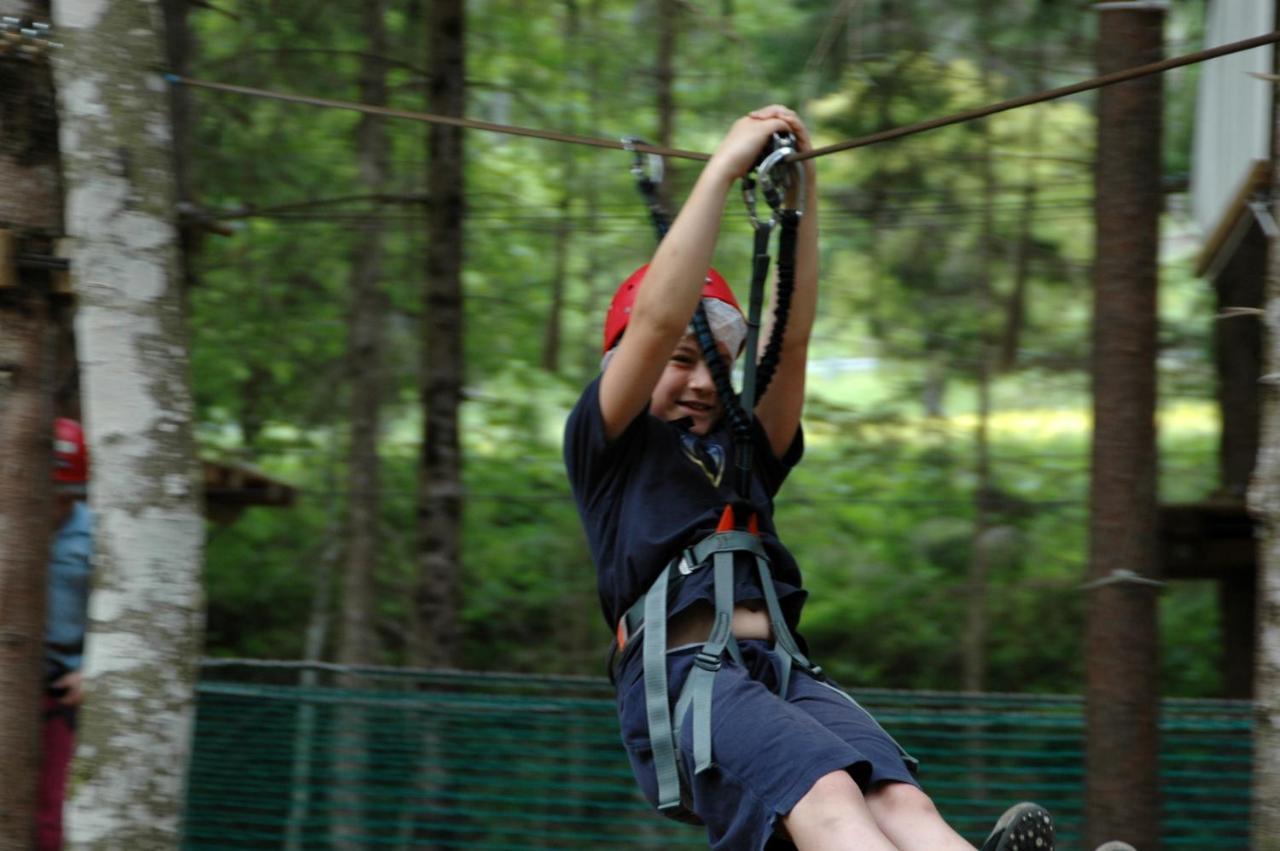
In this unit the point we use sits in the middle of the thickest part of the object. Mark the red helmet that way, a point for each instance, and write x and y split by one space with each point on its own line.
70 460
615 321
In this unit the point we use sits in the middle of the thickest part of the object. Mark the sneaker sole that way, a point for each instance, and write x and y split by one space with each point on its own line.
1029 830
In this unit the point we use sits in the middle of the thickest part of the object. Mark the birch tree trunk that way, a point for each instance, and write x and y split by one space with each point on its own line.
146 610
30 211
436 631
1264 504
1264 501
1122 709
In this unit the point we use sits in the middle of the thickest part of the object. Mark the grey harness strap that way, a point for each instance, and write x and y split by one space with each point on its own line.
719 551
655 683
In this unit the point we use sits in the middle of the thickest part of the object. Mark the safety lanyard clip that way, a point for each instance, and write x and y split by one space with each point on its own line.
645 167
788 180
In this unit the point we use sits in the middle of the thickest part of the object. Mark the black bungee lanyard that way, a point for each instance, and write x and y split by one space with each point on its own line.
776 179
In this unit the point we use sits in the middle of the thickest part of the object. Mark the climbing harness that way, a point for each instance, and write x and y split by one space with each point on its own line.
738 530
647 619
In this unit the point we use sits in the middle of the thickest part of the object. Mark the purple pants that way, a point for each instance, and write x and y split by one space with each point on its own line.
58 740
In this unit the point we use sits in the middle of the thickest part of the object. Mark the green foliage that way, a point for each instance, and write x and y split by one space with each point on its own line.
881 514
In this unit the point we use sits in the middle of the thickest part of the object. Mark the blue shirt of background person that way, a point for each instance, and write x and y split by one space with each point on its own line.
67 602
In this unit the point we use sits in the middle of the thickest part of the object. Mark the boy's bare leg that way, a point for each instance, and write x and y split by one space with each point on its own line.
908 817
833 816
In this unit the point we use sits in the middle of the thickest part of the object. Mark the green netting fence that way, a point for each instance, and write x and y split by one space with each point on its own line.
313 756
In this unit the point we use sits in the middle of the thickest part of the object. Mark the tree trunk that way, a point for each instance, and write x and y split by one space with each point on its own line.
1264 504
357 644
1122 651
29 173
1264 501
317 635
974 665
178 50
665 85
974 659
591 195
30 213
568 187
146 610
1016 305
25 426
436 631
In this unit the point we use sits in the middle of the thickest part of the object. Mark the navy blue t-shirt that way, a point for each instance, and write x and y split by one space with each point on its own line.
657 489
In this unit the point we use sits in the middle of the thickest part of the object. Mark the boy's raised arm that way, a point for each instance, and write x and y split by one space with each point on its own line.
666 301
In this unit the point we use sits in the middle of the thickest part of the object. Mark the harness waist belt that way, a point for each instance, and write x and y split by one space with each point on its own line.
691 559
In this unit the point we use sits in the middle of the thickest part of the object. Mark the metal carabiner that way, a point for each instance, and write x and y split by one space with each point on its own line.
782 146
749 198
792 181
655 170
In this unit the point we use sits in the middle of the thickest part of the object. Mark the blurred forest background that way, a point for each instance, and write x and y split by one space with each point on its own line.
948 416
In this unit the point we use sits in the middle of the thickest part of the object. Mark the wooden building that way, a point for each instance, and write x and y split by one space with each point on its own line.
231 488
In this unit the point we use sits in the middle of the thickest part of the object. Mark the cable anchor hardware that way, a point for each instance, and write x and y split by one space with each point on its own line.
1122 576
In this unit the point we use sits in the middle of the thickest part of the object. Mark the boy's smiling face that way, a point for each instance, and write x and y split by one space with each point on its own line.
686 388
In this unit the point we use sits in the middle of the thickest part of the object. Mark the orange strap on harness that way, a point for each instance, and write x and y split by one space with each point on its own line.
728 521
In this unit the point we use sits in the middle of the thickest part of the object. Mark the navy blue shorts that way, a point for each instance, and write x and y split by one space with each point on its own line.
767 752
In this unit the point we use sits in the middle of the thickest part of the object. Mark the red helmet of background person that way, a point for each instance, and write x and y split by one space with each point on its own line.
70 459
615 321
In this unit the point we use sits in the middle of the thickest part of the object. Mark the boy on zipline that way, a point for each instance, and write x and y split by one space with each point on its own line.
725 720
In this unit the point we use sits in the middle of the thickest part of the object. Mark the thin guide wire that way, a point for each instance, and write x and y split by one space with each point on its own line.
871 139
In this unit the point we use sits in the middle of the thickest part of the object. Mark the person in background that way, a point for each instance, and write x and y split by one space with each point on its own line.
66 618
